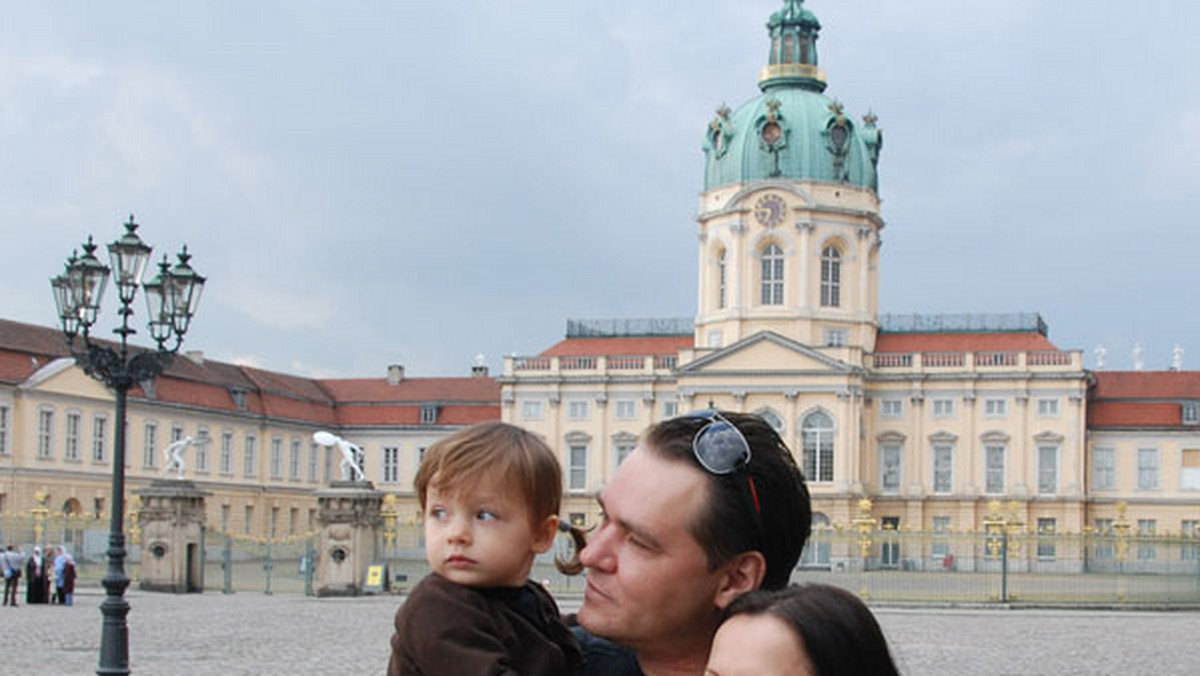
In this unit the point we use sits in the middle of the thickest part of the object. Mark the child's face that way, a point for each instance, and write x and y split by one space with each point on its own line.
483 537
757 645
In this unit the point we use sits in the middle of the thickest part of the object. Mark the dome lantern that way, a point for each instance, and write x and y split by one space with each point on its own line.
793 57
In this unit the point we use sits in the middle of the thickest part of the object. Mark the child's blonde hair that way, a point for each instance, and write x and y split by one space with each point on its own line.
496 451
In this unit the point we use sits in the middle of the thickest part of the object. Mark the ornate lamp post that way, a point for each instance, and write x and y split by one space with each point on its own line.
171 298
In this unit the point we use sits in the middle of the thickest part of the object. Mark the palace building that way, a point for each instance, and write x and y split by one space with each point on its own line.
934 419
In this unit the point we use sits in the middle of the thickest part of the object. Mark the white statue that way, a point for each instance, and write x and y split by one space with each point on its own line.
1177 358
351 468
1101 353
1139 357
174 454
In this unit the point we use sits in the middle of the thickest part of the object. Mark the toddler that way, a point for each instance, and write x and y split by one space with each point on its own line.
490 497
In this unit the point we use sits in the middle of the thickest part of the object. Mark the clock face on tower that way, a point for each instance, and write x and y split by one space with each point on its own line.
769 210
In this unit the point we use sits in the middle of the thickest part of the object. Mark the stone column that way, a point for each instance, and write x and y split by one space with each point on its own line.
350 518
172 522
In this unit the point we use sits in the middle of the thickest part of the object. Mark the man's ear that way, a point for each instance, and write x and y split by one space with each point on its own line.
543 537
744 573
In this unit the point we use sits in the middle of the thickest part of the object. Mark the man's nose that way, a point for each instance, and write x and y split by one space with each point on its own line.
598 554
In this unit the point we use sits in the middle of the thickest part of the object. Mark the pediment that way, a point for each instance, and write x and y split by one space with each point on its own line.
62 376
766 352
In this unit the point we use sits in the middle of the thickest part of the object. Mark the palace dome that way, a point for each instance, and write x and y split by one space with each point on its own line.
792 130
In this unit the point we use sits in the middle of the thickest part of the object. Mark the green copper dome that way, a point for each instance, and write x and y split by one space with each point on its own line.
792 130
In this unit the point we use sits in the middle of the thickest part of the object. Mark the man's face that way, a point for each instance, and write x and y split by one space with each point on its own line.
649 585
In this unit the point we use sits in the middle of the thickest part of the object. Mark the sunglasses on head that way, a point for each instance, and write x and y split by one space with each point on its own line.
719 446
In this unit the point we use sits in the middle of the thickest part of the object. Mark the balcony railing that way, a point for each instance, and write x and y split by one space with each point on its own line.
592 364
983 360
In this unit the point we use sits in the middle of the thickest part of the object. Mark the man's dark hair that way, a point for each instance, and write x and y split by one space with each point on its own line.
837 630
728 527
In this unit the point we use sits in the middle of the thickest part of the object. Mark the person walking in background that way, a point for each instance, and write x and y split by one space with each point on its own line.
61 559
12 560
48 588
35 578
68 584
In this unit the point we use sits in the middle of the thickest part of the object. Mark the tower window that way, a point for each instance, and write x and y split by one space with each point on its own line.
772 275
789 48
831 277
722 283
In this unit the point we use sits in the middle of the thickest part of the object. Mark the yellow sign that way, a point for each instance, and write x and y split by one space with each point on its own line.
375 578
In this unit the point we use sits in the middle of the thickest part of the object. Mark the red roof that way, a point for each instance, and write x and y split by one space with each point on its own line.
475 389
632 346
1133 414
1146 385
962 342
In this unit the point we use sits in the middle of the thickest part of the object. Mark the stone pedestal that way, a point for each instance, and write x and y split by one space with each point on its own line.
172 523
350 520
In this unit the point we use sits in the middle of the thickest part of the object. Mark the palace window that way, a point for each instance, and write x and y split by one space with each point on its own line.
890 468
1047 470
71 449
891 408
831 277
995 408
99 438
277 458
1190 528
45 447
836 337
577 468
314 462
1047 548
577 410
1190 472
626 409
294 461
150 444
772 275
429 414
943 408
3 430
391 464
623 449
670 409
1146 530
941 537
1047 408
250 459
1147 468
722 277
248 526
1104 468
533 409
943 468
1103 548
201 447
1191 413
227 453
995 468
817 433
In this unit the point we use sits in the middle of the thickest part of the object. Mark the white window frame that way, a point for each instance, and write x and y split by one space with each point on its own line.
831 277
626 409
1190 413
202 443
579 409
1189 477
943 470
837 337
429 414
4 428
1047 547
294 460
995 408
391 464
45 443
314 462
577 458
1104 468
722 279
891 408
943 408
670 409
99 438
1147 469
1048 476
276 457
1048 408
1190 551
714 339
250 456
891 479
771 271
533 409
74 421
1002 451
941 537
819 448
150 444
1147 528
176 432
227 453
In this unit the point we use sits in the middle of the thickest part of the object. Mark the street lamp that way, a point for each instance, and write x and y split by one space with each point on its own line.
171 298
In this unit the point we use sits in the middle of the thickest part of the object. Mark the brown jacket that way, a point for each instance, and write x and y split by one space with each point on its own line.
446 629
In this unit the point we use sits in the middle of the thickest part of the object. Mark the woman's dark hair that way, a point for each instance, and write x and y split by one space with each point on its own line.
838 631
771 480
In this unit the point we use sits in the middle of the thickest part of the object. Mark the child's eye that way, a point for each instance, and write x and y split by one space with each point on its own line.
437 512
486 515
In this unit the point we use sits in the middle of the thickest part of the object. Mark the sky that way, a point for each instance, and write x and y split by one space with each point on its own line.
369 182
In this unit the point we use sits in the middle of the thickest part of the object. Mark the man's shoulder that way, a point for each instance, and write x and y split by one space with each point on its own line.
602 657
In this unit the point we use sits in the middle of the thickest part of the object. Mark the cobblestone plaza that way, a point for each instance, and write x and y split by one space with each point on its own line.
255 634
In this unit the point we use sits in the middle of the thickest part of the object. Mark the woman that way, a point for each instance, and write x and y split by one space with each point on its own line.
35 578
806 630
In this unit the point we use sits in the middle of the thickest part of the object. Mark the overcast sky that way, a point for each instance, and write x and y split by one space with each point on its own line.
417 182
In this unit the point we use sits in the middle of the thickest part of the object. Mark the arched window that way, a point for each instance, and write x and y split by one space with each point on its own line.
789 48
831 277
817 430
772 418
772 275
722 280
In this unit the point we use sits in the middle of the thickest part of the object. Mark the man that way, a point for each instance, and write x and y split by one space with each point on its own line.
708 507
12 562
